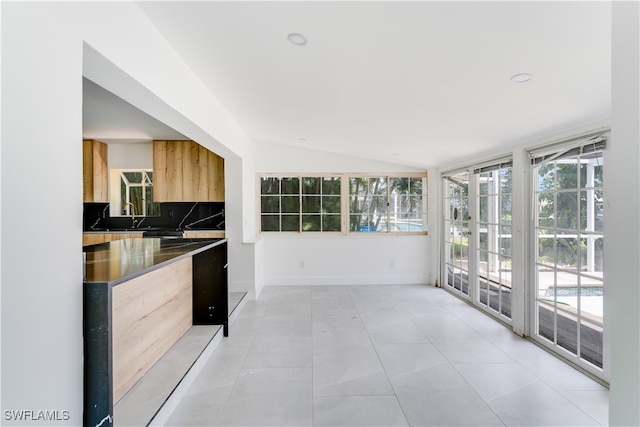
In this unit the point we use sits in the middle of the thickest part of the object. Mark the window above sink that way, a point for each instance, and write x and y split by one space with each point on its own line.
131 193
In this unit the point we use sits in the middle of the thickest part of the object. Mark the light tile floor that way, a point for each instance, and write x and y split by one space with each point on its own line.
382 356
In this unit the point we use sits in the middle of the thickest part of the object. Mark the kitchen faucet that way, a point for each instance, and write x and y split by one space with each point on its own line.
133 213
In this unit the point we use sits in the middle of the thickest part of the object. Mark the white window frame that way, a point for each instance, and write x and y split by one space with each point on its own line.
470 268
115 194
344 202
495 251
552 152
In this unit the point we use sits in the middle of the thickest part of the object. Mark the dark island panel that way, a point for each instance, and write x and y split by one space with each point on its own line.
210 302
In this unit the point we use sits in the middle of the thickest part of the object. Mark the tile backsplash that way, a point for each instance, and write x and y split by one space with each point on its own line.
173 216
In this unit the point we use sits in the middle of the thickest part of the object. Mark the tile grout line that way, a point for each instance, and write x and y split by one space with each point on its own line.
395 394
235 382
526 369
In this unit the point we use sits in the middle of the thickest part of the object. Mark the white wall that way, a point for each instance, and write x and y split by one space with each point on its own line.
137 155
41 169
621 215
330 259
273 157
46 50
346 260
240 226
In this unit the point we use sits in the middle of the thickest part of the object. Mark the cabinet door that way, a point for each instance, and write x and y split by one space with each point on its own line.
93 239
185 171
167 171
120 236
216 178
203 235
210 296
94 171
195 172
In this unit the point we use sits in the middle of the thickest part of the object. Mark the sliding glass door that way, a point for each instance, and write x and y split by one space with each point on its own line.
456 232
554 290
569 252
493 225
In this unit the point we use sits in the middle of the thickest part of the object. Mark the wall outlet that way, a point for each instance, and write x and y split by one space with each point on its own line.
301 264
392 263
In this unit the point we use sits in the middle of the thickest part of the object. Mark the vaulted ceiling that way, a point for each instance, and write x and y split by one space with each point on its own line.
417 83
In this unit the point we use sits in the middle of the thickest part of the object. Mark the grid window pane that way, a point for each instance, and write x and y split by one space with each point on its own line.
290 186
311 204
269 185
331 185
570 252
331 223
566 210
505 180
584 171
505 208
331 204
311 222
483 207
270 204
290 222
505 241
290 204
299 203
546 250
311 185
270 223
546 209
483 186
483 243
598 173
133 177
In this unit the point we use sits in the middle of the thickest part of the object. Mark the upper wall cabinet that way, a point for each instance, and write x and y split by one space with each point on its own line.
185 171
94 171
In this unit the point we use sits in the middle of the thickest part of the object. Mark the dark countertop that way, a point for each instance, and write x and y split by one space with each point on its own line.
121 260
142 230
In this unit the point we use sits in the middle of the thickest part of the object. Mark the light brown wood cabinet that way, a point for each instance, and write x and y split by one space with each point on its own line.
95 175
150 313
203 234
185 171
95 238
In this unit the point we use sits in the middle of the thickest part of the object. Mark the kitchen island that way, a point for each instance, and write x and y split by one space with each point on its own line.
140 296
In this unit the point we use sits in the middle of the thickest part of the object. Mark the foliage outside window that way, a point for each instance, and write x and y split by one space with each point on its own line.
316 204
135 188
300 204
569 250
382 203
457 231
494 238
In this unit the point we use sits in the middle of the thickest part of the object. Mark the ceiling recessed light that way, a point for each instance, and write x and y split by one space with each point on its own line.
297 39
522 77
